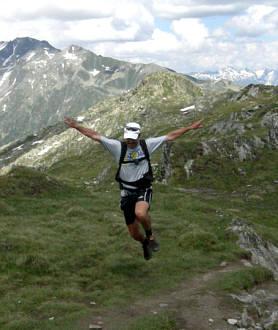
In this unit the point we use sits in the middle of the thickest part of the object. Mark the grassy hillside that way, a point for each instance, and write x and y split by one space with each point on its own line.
65 252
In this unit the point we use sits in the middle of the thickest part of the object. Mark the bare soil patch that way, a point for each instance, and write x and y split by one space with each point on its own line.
192 302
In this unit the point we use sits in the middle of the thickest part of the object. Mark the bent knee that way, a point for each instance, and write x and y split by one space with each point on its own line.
140 215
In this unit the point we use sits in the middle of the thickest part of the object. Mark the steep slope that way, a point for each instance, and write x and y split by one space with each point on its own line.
240 130
38 85
156 104
237 147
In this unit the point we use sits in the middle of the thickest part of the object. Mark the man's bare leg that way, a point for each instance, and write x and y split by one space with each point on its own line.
141 212
136 234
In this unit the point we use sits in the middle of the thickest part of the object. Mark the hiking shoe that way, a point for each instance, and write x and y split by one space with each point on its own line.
154 244
147 249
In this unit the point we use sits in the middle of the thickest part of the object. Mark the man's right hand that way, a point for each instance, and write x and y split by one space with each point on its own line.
86 131
70 122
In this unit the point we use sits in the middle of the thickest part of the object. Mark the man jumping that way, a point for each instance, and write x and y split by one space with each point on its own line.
135 175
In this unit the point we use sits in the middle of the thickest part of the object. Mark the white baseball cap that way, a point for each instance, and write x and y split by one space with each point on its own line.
132 131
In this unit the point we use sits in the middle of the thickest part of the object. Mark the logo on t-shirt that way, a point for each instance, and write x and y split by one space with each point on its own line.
134 155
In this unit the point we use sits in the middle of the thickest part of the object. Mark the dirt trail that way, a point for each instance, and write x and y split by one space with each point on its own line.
195 306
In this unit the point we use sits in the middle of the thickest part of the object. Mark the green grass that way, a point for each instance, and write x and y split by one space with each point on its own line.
222 174
244 279
62 247
161 321
63 239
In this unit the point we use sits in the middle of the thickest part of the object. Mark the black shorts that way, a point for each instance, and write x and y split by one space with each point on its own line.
129 201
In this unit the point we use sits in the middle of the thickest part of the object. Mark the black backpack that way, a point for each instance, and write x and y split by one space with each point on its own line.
147 179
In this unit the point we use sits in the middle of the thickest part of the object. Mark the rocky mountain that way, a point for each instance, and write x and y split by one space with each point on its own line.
242 77
156 94
40 84
238 127
240 122
11 52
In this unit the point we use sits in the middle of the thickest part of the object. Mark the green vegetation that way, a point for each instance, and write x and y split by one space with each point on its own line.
65 252
224 174
63 247
244 279
162 321
275 326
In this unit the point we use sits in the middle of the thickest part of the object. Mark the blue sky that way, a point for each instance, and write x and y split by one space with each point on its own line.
184 35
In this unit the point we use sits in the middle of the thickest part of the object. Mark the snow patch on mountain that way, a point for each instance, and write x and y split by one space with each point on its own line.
37 142
240 76
70 56
188 109
1 98
30 56
50 55
45 150
95 72
3 45
4 78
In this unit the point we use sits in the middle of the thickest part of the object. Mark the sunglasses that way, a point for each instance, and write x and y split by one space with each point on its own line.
133 129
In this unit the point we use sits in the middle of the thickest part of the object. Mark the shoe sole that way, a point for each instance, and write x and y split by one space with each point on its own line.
149 257
155 248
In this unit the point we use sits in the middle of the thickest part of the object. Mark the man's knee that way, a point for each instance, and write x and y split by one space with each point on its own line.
141 211
141 215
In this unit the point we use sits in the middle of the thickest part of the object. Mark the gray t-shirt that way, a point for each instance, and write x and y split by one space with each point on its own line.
130 171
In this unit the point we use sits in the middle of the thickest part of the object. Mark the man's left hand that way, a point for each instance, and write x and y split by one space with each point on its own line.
197 124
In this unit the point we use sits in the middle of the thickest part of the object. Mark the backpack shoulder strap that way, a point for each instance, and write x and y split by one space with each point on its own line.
145 149
146 152
122 156
123 152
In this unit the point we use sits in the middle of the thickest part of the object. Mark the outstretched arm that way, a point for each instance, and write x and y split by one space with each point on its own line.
177 133
86 131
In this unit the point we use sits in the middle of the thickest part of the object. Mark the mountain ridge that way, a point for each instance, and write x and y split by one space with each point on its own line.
238 126
43 84
12 51
108 117
241 76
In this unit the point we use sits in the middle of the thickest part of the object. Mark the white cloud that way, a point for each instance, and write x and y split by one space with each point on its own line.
191 31
160 43
45 29
136 17
131 22
190 36
82 21
99 30
62 9
180 9
257 20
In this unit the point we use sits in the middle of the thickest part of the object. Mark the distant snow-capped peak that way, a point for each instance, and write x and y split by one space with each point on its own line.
241 76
